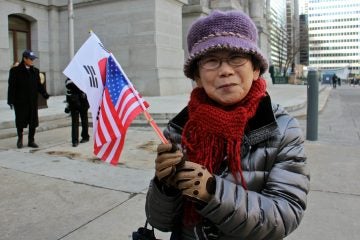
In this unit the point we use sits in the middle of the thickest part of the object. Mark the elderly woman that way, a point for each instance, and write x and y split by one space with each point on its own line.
236 167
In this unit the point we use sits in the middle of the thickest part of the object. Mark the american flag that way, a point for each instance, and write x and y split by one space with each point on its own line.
121 103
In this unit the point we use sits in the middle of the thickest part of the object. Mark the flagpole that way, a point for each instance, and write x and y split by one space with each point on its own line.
146 113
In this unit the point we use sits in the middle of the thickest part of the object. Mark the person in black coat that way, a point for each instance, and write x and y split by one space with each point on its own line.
334 80
77 105
24 86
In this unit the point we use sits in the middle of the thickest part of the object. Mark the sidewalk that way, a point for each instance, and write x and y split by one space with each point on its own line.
58 192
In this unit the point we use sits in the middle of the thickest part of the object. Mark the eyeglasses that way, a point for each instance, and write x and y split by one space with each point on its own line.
213 62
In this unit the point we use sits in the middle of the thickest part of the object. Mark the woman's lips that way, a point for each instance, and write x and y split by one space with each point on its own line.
227 85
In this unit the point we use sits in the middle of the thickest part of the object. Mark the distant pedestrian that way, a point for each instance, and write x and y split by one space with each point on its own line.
24 85
236 166
334 80
78 106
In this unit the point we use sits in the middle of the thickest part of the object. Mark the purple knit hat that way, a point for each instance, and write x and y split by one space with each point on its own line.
232 30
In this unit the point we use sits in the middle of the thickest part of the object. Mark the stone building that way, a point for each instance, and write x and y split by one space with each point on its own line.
146 36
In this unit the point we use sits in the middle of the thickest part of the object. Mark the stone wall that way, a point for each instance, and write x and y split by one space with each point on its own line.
147 37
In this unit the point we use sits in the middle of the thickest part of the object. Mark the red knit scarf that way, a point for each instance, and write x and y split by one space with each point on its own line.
214 132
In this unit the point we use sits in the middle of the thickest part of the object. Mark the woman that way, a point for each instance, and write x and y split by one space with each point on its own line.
239 168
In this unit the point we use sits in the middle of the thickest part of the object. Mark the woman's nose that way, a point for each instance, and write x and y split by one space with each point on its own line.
225 68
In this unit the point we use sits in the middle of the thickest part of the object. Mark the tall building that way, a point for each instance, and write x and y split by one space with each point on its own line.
293 32
304 40
334 34
278 34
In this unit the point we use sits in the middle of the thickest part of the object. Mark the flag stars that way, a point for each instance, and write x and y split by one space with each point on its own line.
115 81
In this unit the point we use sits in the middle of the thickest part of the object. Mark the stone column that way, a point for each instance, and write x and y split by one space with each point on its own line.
55 78
5 63
257 12
225 4
190 12
169 52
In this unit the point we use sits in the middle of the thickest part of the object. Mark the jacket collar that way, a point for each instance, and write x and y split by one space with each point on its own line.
263 125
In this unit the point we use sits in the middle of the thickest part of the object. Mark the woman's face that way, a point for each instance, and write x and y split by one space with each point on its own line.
229 80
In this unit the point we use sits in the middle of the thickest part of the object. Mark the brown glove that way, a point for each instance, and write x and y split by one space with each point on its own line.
167 159
195 181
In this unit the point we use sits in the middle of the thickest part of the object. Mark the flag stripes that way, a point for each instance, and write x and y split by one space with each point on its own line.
120 105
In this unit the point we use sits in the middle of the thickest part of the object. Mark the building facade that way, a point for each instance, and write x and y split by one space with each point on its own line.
277 25
146 36
304 39
334 34
293 33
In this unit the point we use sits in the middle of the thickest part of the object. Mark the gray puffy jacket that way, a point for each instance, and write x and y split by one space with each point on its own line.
274 166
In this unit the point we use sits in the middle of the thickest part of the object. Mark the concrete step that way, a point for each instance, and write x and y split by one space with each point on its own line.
43 126
8 130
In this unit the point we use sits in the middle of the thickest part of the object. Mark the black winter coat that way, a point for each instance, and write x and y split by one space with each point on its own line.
76 98
24 85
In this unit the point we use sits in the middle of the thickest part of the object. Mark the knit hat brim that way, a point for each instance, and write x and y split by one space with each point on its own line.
233 43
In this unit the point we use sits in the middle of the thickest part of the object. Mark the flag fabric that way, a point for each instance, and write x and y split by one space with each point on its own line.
121 103
113 100
87 71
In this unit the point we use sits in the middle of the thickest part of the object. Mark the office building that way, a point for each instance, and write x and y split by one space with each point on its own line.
334 34
304 40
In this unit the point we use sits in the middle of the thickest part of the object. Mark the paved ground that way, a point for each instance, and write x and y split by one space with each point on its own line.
334 209
61 192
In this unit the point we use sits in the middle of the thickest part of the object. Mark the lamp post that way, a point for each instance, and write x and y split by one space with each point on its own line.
71 28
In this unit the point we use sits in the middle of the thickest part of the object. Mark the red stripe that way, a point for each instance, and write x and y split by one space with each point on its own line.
132 116
127 106
113 114
116 157
122 97
107 151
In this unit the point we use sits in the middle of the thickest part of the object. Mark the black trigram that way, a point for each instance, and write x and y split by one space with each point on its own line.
92 76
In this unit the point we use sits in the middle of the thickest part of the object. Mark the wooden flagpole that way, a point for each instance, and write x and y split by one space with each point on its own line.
155 127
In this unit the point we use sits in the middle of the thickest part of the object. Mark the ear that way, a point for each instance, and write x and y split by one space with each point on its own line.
198 81
256 74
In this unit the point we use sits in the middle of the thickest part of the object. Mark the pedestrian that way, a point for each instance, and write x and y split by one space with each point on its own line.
24 86
78 106
334 80
236 166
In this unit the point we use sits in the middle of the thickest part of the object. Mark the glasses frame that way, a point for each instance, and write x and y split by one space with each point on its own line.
201 63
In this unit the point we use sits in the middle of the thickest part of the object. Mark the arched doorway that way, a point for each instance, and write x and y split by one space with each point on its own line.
19 37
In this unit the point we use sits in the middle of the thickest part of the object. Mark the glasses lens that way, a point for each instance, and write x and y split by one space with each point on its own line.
238 60
209 63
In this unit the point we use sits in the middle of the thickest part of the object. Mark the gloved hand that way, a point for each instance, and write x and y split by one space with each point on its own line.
195 181
11 106
46 95
165 163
